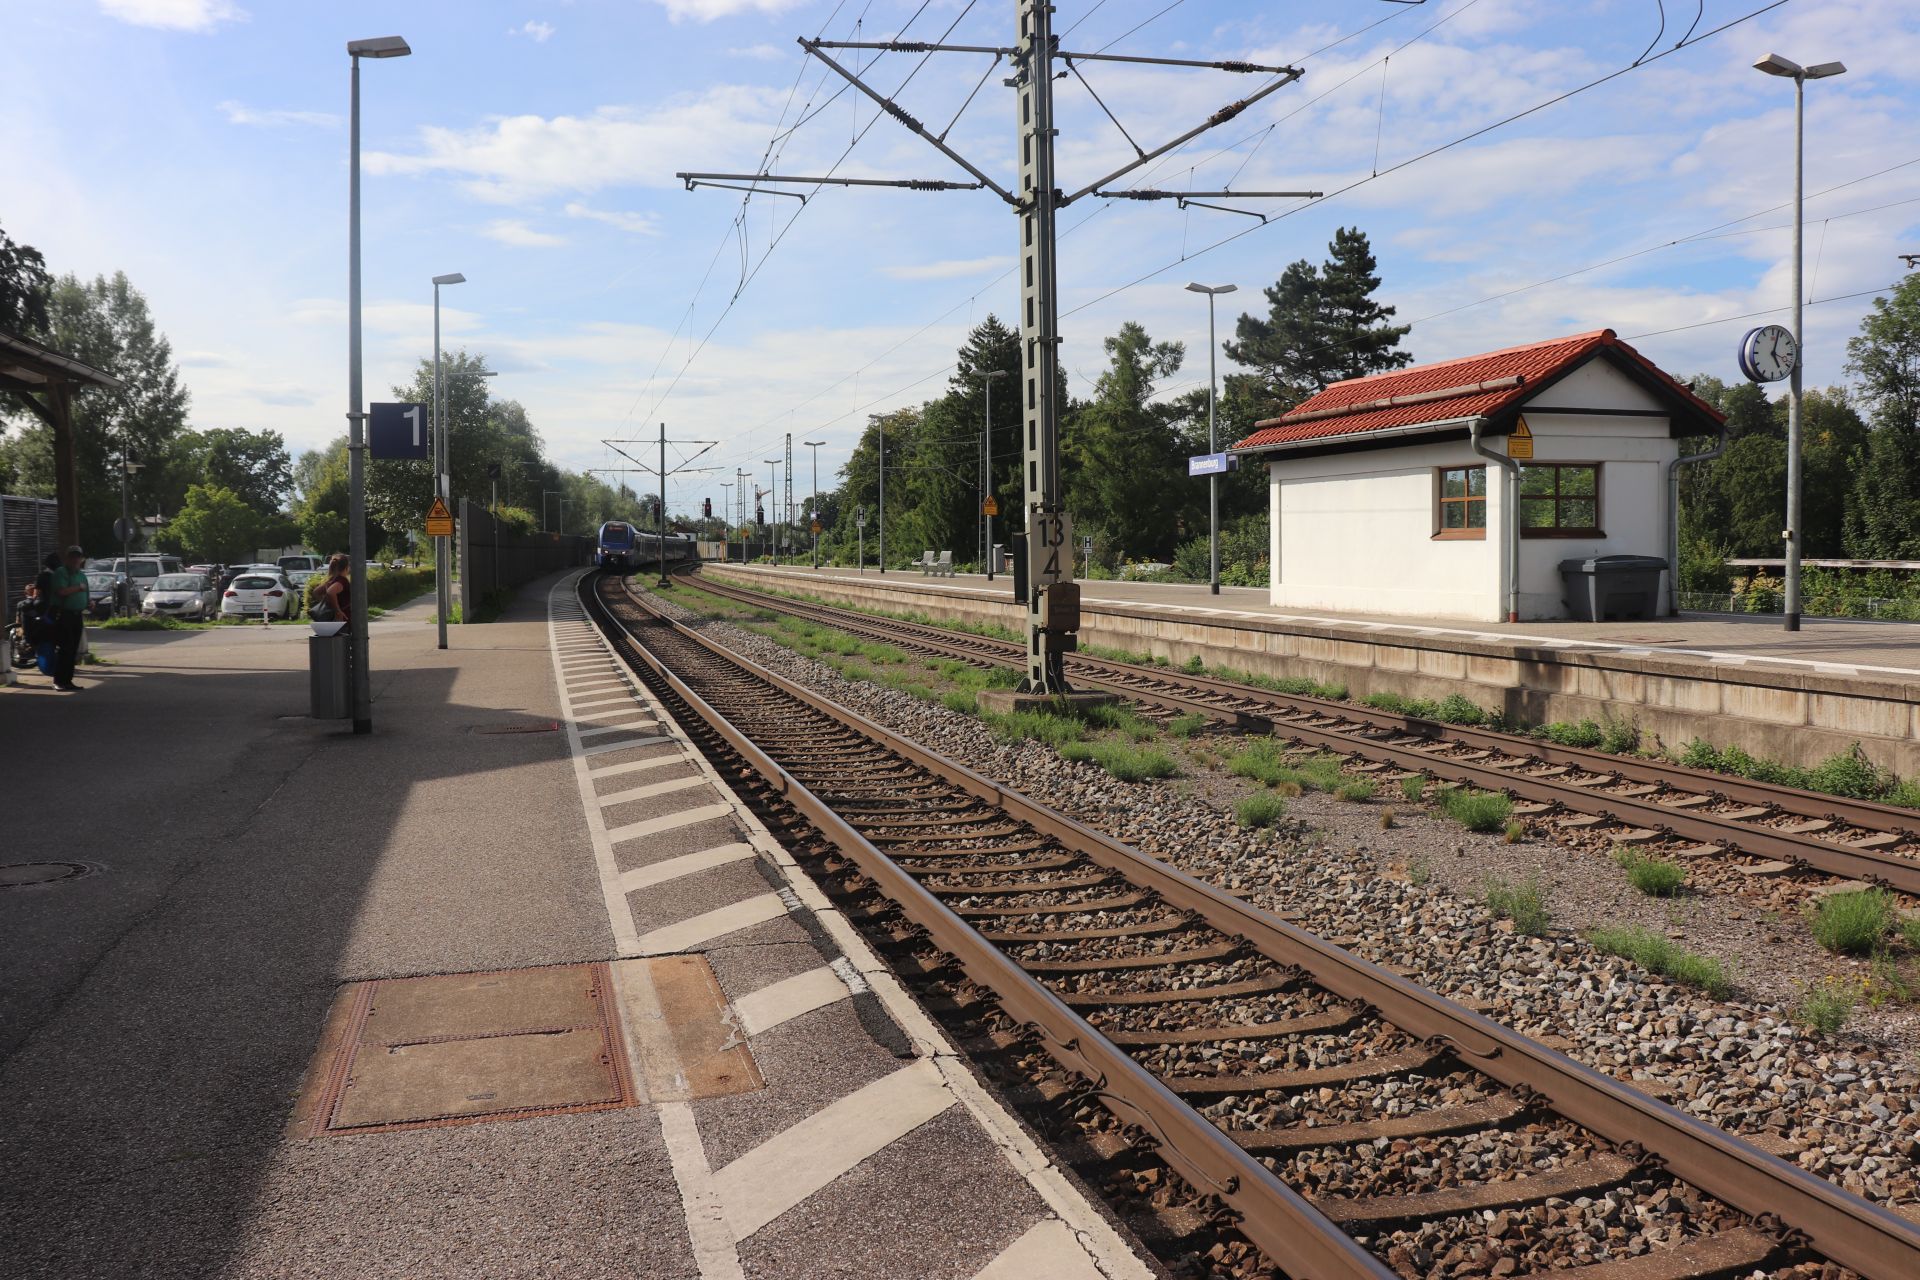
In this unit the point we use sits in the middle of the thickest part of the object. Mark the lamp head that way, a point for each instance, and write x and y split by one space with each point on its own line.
813 444
1775 65
378 47
1821 70
452 277
1210 289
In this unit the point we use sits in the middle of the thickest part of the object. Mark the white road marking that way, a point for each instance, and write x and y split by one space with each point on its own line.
684 865
644 722
667 821
629 766
590 703
1048 1249
787 1168
708 925
787 999
653 788
605 747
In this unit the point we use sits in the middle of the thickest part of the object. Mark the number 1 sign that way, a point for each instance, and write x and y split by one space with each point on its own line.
398 430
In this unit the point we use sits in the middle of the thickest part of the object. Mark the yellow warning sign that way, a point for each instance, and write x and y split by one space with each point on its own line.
816 526
991 507
439 519
1520 443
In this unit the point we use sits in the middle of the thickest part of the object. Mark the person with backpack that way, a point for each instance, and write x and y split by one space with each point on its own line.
334 601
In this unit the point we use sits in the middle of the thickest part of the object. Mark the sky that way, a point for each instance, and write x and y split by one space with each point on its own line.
201 147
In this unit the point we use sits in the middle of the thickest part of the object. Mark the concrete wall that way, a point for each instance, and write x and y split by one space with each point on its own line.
1781 715
1356 531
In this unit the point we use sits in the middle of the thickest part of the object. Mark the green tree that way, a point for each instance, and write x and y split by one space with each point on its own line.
215 525
1885 358
1883 504
24 287
1124 451
1322 326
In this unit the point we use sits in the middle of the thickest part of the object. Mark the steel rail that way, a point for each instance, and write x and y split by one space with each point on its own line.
1133 680
1278 1219
1844 1228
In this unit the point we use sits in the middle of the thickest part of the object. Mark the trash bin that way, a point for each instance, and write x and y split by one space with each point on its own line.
329 686
1601 588
997 558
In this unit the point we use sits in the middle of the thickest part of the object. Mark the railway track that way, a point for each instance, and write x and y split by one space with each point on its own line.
1702 813
1315 1095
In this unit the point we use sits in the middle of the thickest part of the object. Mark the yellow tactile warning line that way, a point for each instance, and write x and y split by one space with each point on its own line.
727 1206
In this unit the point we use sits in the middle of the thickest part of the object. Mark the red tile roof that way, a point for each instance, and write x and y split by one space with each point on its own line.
1469 387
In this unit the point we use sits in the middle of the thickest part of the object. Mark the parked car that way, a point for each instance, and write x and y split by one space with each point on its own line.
180 595
142 570
302 564
103 593
257 592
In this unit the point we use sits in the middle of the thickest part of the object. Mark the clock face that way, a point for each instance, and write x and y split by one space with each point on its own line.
1768 354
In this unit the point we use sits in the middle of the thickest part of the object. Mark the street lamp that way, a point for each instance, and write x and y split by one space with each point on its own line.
1775 65
379 47
1213 479
772 490
562 509
813 504
879 422
442 571
986 486
726 517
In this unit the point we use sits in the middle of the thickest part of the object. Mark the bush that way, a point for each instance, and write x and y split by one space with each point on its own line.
1476 810
1453 709
1853 923
1656 954
959 700
1259 809
1655 877
1525 904
1849 773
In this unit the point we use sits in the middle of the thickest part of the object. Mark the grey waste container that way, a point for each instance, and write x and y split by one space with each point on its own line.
1603 587
327 679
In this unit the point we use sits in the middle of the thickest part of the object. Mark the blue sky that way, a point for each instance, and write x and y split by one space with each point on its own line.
200 145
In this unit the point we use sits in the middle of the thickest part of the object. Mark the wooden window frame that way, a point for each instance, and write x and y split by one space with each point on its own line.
1441 533
1596 530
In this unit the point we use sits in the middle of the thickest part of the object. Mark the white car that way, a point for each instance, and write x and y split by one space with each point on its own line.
180 595
258 592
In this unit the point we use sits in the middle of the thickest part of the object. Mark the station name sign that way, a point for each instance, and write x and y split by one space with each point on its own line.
1212 464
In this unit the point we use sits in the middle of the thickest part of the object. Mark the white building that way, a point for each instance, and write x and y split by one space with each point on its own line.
1395 494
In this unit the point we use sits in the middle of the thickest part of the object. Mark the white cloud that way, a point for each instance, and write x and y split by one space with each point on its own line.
518 234
538 32
514 158
273 118
951 269
640 224
174 15
709 10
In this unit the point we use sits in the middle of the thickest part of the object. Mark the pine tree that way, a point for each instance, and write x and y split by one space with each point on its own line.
1322 326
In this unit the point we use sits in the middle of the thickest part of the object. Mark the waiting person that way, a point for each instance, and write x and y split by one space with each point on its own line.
70 592
337 590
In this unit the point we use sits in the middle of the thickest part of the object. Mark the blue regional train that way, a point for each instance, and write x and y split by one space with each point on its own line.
615 548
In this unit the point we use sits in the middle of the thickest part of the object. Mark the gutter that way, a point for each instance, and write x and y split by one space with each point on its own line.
1381 433
1673 516
1511 512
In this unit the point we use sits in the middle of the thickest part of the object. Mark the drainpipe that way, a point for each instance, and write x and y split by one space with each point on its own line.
1673 516
1511 513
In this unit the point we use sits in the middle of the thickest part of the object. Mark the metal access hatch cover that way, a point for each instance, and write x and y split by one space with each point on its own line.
414 1052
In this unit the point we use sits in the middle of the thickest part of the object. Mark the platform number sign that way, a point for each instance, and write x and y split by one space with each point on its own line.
1049 549
398 430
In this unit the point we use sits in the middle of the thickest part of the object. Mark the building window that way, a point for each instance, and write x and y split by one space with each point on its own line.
1560 501
1463 503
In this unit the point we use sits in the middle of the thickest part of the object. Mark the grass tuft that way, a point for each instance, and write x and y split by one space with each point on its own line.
1386 819
1476 810
1824 1009
1657 954
1515 832
1259 809
1655 877
1123 760
1853 923
1187 725
1358 791
1524 903
1412 789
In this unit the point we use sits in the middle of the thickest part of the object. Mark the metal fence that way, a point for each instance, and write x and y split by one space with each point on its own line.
494 556
29 529
1883 608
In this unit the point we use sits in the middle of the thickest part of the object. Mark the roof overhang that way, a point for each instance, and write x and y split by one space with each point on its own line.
1330 444
28 364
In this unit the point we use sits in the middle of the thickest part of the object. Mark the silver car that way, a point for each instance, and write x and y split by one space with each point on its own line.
180 595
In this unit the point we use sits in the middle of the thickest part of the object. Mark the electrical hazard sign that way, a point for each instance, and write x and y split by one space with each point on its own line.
1049 549
991 507
439 520
1520 443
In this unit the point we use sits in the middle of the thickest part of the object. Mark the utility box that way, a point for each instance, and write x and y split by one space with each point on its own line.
1602 588
1060 607
997 558
329 684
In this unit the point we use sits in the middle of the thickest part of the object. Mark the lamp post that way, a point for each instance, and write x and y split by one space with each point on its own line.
379 47
726 518
441 569
1775 65
986 486
880 421
562 495
813 502
1213 481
